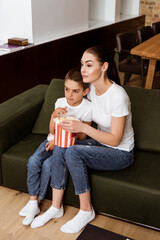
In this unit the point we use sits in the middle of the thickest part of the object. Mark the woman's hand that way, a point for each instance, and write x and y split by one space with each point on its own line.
112 138
72 126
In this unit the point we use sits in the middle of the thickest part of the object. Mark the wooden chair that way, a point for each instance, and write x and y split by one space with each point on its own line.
127 63
156 30
144 33
156 27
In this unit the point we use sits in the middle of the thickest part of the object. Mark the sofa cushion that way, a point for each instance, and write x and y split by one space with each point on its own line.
145 104
18 115
54 91
14 161
132 193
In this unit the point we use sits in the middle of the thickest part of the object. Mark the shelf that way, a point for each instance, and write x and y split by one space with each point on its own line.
45 21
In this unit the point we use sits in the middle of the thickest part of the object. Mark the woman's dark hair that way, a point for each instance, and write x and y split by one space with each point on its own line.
75 75
103 56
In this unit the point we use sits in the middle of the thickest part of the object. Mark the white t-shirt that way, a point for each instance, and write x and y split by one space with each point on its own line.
114 102
83 111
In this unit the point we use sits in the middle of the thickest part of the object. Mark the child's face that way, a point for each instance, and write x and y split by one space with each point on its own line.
74 92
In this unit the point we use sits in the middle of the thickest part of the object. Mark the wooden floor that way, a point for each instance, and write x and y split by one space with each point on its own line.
136 80
11 227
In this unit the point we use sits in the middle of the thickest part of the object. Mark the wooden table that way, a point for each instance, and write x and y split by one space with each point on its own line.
149 49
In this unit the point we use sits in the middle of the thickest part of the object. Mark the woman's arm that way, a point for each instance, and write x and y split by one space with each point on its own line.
113 138
82 136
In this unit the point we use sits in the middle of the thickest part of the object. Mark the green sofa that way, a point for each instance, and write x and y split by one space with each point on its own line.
132 194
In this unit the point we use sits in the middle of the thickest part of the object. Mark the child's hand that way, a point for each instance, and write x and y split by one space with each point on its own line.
50 145
59 111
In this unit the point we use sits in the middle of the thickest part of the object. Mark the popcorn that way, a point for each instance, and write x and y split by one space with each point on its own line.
63 138
64 117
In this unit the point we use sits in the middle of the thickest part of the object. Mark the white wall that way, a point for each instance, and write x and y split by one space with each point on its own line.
42 20
110 10
58 17
118 9
15 19
105 10
96 9
130 7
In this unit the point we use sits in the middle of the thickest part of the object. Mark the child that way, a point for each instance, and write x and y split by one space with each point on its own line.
39 164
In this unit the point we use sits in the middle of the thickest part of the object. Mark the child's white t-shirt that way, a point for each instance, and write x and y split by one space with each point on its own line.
83 111
114 102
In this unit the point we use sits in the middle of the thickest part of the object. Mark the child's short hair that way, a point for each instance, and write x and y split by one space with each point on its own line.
75 75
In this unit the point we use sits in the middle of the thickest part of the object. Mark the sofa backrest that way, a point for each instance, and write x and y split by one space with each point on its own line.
55 90
145 105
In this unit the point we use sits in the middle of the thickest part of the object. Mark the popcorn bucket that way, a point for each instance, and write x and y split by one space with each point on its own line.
63 138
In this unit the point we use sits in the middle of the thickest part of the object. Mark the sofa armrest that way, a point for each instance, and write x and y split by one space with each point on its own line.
18 115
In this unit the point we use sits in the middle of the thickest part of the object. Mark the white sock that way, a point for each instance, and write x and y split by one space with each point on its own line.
78 222
51 213
24 210
33 210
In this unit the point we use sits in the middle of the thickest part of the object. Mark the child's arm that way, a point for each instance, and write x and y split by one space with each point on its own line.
57 112
50 145
82 136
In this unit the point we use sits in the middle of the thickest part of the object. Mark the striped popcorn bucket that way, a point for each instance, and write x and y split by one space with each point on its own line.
63 138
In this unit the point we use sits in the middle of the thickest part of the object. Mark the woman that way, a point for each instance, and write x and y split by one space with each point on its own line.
110 146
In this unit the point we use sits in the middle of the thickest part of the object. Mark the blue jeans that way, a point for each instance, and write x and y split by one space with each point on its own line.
39 171
76 160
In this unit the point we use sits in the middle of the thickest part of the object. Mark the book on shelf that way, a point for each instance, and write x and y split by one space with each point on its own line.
12 47
18 41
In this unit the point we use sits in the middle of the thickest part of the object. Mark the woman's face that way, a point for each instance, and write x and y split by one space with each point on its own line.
91 68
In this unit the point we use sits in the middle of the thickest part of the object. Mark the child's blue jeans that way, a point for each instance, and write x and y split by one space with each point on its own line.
39 171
